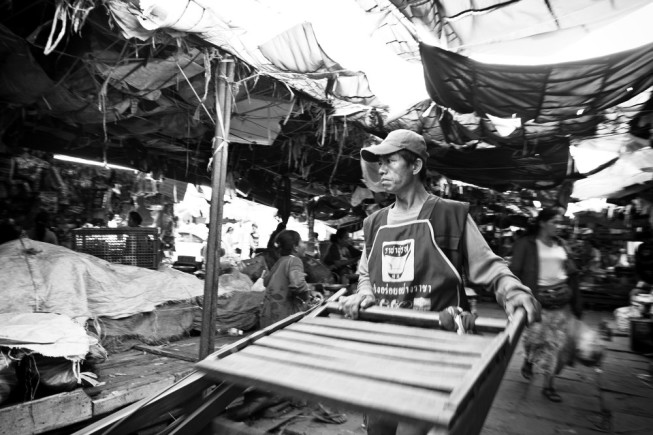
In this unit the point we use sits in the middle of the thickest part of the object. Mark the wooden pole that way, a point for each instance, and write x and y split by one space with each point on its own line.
224 76
310 221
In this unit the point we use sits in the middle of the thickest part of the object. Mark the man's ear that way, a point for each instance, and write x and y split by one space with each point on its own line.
417 166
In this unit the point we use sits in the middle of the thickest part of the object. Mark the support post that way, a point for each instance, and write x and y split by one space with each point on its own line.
310 222
224 75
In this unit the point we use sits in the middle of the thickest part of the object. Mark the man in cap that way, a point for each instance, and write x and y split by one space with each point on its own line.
417 249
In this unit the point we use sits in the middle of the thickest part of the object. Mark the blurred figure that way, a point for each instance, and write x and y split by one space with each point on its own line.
253 240
141 209
541 260
286 290
341 256
134 219
595 259
644 265
8 231
41 230
230 244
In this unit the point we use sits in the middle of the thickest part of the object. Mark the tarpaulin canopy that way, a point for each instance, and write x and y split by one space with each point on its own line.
539 93
135 86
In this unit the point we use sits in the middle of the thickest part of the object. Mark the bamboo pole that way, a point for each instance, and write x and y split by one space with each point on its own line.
224 76
310 222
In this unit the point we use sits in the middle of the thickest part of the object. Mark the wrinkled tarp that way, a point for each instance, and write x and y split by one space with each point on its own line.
522 28
632 172
541 93
48 334
47 278
503 169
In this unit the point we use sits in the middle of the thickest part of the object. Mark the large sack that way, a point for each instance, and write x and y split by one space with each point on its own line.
40 375
316 271
254 267
233 282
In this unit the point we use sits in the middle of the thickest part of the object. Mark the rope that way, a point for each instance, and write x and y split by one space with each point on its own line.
30 251
195 93
59 14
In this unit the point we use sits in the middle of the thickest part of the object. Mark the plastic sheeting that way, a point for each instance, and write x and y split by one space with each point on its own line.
48 334
631 173
40 277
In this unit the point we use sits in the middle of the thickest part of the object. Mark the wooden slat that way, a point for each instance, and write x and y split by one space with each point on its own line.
165 352
138 414
474 377
212 405
425 319
461 346
481 382
394 330
380 350
364 368
46 414
397 401
348 357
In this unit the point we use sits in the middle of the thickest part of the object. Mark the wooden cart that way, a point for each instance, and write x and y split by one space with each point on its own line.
407 370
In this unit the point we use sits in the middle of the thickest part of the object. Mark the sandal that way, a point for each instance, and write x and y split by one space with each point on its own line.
551 394
527 370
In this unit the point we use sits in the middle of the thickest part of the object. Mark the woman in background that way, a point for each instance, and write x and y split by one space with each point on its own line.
542 262
286 290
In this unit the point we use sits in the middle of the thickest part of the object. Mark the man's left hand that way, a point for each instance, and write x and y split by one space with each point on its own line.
528 303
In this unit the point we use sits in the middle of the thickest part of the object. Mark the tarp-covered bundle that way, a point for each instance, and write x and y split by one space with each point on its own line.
41 353
40 277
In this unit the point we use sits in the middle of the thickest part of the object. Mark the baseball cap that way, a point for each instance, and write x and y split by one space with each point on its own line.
397 140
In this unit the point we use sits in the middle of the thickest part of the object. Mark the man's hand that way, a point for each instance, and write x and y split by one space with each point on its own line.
350 305
526 301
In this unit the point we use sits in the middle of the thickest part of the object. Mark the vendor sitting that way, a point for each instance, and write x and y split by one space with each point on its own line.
341 257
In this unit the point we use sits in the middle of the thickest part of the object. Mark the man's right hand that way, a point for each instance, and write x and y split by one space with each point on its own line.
350 305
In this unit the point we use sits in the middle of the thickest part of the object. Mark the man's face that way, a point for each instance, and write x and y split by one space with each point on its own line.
396 174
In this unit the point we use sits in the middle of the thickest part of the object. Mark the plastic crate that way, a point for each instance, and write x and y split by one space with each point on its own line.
132 246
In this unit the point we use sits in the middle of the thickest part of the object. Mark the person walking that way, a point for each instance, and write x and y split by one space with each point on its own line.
415 249
541 260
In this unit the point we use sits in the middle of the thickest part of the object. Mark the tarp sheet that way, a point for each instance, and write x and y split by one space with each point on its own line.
48 334
40 277
540 93
632 172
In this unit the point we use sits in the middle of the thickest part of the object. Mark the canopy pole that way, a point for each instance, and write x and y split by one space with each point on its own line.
224 76
310 222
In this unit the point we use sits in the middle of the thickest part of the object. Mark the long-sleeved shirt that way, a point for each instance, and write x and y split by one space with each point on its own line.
484 267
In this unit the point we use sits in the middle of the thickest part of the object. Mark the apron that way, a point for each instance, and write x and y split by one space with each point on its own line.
409 270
